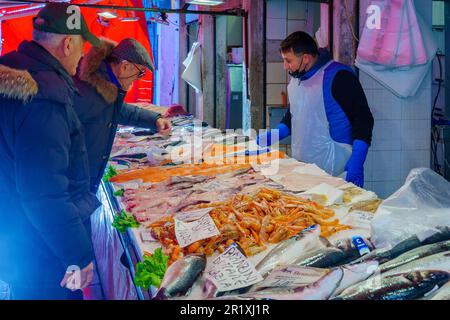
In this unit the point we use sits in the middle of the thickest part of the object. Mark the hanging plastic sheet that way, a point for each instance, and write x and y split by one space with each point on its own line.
115 278
193 73
421 208
398 42
399 53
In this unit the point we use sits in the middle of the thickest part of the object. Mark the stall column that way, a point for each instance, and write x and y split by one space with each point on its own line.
345 32
447 88
255 36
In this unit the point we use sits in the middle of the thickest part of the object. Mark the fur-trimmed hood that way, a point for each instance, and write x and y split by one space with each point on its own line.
90 70
17 84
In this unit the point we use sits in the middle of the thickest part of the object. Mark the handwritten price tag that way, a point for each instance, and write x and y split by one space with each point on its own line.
190 232
292 276
358 219
232 270
189 216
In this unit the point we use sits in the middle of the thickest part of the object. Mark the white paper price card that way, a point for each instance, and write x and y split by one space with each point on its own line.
292 276
232 270
190 232
358 219
192 215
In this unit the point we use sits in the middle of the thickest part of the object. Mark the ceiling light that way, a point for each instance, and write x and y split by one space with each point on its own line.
206 2
129 19
107 14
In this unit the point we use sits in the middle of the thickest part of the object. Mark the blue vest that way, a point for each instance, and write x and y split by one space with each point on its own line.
340 126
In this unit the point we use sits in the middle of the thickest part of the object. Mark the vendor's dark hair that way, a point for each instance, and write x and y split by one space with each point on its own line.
299 42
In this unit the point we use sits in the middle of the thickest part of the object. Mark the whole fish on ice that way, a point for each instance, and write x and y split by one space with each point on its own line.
180 276
416 254
356 273
331 256
404 286
438 261
384 255
319 290
289 250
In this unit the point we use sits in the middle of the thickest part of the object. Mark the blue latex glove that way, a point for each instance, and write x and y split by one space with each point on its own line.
355 165
265 139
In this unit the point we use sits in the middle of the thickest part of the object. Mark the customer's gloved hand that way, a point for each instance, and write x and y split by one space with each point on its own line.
265 139
355 165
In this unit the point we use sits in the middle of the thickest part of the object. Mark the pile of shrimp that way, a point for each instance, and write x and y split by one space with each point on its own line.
252 221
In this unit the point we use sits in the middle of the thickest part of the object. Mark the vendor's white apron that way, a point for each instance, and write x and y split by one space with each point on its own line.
311 140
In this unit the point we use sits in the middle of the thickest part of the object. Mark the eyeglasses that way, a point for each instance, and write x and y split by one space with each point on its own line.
141 72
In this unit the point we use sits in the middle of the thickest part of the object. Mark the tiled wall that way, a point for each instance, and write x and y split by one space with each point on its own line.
283 18
401 137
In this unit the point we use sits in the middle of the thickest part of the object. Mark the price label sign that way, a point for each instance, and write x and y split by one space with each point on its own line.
292 276
190 232
232 270
189 216
358 219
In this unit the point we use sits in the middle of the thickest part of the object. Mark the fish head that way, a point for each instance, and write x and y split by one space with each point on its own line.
325 242
348 245
428 276
313 230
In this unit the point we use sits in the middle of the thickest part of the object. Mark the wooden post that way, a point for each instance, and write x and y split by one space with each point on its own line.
221 65
183 51
206 101
256 65
344 41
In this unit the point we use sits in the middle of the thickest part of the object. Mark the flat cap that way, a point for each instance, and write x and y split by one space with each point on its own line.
131 50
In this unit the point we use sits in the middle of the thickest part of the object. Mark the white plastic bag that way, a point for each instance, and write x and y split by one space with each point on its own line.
193 72
420 206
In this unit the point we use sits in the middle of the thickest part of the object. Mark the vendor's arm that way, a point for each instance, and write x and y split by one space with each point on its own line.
284 131
348 92
41 166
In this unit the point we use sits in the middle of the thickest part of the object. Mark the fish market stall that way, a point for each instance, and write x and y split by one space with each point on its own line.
220 218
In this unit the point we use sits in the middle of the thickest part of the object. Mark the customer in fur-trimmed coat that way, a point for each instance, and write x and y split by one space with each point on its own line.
105 75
